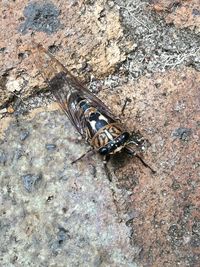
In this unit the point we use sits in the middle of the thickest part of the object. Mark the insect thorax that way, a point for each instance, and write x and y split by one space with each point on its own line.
103 133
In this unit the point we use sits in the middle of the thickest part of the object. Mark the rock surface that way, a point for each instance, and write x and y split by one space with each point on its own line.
184 14
53 213
57 214
66 27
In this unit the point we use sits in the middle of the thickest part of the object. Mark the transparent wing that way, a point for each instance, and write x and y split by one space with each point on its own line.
67 89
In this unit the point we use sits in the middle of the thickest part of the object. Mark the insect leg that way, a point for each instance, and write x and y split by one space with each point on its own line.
145 164
107 171
133 153
82 156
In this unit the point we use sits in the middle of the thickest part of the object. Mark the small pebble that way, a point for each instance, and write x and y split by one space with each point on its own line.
50 147
31 181
3 110
3 157
10 109
24 135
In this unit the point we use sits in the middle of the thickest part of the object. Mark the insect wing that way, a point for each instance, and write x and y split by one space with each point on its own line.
67 89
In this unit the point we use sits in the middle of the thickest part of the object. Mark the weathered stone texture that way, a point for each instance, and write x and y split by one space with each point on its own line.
165 207
56 209
86 37
183 14
56 214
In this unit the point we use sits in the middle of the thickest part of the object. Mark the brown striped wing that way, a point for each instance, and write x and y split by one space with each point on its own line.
67 89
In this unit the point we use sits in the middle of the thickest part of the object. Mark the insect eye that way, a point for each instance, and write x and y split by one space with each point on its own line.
125 137
103 151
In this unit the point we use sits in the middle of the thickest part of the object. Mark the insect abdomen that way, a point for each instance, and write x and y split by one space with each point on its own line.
105 135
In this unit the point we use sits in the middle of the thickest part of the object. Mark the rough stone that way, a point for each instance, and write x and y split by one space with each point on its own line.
24 135
183 14
65 27
65 222
30 181
137 218
50 147
42 17
56 214
166 205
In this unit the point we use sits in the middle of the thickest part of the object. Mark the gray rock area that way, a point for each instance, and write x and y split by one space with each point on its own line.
58 211
145 53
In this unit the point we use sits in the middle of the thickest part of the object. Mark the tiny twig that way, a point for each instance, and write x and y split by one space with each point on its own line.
125 103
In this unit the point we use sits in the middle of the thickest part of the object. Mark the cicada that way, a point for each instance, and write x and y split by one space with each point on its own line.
105 133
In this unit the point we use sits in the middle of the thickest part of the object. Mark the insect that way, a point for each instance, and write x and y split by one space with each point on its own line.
89 115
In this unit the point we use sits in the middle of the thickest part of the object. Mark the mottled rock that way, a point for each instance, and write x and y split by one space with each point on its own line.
2 157
50 147
42 17
182 133
31 181
183 14
72 218
166 205
76 214
24 135
70 29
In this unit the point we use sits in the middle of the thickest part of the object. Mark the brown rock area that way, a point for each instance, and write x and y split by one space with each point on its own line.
150 219
54 213
165 207
92 40
182 13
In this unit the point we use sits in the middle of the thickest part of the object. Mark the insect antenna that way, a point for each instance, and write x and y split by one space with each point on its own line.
83 155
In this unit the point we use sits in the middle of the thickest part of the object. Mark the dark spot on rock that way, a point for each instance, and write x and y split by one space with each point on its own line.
98 261
195 241
90 2
83 66
187 210
24 135
196 227
64 177
182 133
18 153
196 12
175 185
176 233
93 170
23 55
50 147
53 48
3 157
157 84
2 49
129 223
49 198
64 210
41 17
31 181
62 236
